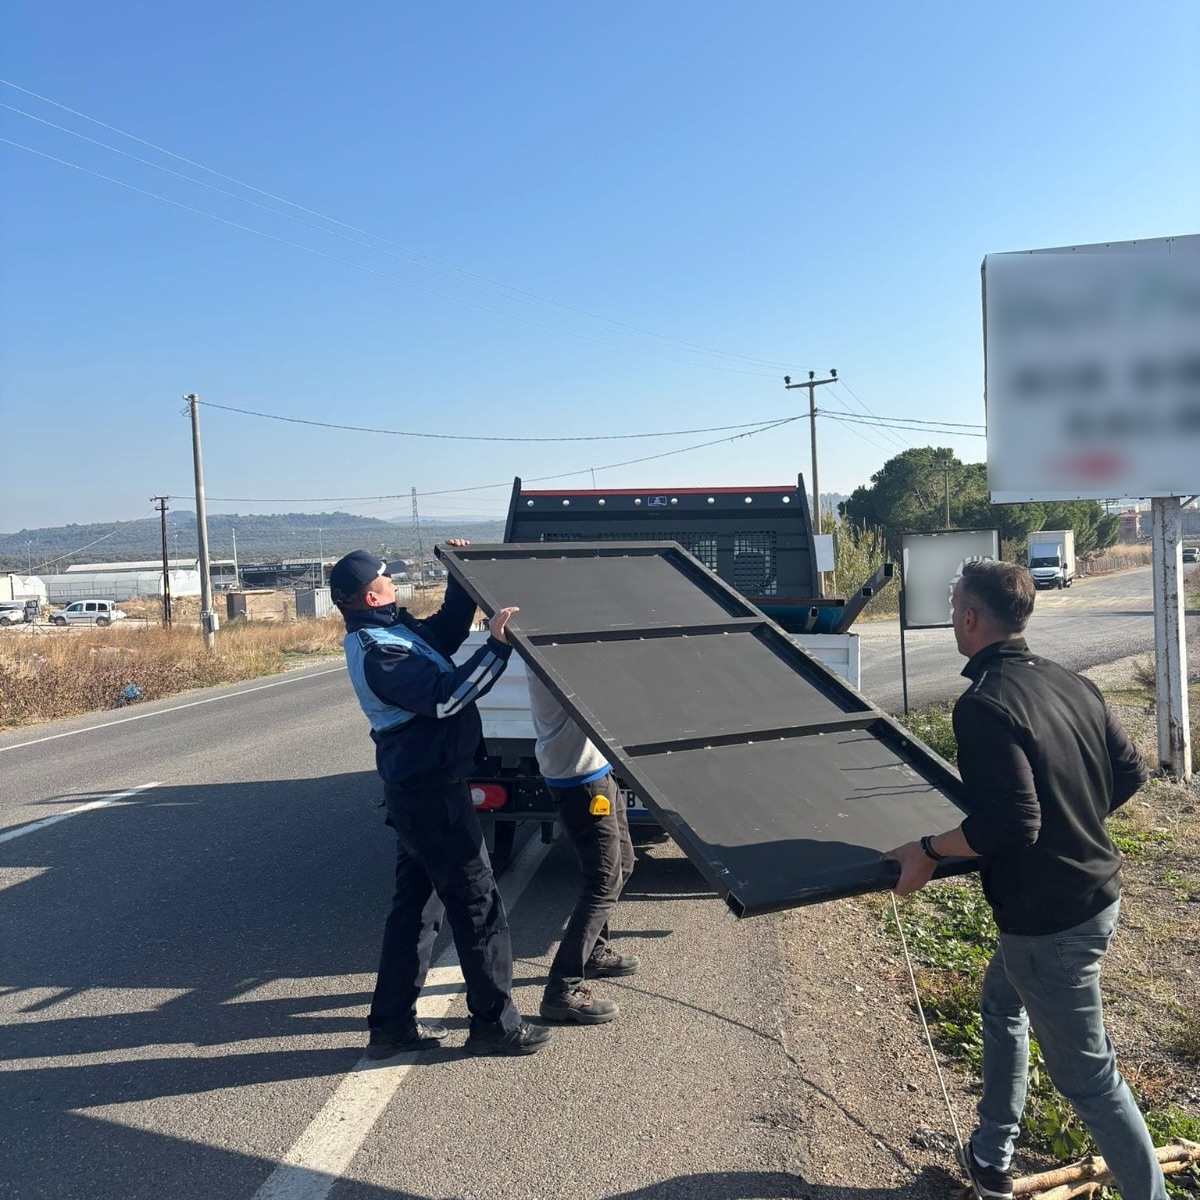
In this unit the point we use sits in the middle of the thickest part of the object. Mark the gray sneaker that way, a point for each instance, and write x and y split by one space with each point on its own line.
579 1005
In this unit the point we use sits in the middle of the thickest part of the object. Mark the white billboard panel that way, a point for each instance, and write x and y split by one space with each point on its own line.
1092 364
930 564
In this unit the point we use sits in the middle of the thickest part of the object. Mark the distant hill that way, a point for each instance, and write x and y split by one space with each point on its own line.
259 538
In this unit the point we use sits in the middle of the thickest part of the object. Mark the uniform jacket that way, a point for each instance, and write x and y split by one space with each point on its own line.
421 707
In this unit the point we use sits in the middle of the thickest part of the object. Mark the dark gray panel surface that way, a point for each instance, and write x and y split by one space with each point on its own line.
802 819
778 780
656 689
645 592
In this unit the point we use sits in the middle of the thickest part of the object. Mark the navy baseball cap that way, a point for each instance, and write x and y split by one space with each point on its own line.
352 573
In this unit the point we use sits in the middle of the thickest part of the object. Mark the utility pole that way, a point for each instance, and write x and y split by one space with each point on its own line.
946 473
237 575
420 544
208 619
160 502
321 554
812 384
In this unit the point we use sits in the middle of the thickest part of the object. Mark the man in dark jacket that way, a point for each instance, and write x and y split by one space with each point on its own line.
427 735
1043 763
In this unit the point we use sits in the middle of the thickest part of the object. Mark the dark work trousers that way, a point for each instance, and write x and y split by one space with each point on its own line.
442 868
605 853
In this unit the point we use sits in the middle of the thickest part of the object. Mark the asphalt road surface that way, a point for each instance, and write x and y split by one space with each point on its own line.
185 971
1096 620
191 898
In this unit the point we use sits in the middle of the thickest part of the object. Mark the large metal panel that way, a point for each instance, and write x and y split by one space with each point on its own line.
779 781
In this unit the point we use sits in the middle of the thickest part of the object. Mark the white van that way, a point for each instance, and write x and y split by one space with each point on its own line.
88 612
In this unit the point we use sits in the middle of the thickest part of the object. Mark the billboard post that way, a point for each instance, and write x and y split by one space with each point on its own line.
1174 734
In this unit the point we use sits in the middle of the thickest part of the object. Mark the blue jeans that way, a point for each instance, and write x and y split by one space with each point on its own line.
1052 982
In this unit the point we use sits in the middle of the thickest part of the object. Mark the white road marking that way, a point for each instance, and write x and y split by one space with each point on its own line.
22 830
325 1149
177 708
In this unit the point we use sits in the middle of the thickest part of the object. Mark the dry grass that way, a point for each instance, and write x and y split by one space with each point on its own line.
65 672
62 673
1118 558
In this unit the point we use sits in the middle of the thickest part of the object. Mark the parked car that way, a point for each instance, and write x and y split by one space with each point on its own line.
88 612
1191 554
12 612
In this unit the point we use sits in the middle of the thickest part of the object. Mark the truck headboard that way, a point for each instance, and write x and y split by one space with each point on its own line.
757 539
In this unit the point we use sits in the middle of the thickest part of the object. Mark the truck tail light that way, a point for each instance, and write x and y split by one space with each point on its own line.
487 797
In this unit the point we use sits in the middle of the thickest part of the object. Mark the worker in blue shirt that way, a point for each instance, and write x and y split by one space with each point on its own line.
427 736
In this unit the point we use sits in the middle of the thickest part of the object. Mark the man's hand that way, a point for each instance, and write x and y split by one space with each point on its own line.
457 543
916 867
498 624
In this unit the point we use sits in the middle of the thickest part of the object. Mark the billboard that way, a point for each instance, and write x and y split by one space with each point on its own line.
930 564
1092 366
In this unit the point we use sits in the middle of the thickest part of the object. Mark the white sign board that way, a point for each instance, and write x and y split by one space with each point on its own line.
823 545
930 564
1092 364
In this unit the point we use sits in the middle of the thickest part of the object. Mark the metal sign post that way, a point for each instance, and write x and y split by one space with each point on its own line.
1174 727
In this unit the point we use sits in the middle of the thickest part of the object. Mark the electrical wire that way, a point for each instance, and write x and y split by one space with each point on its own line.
441 267
345 262
892 437
956 431
479 437
103 537
483 487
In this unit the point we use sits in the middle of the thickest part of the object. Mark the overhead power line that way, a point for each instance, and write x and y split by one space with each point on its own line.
484 487
481 437
405 253
950 429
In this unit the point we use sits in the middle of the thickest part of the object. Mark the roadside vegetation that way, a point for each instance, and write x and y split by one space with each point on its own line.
48 673
1151 975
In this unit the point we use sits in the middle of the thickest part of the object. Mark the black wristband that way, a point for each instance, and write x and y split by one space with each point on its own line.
930 852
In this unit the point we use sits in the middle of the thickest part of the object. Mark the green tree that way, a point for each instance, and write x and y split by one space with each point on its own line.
908 495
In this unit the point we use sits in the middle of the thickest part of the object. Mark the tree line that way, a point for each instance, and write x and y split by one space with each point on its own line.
908 495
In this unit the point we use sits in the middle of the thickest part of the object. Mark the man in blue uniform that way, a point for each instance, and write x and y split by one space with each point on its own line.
427 736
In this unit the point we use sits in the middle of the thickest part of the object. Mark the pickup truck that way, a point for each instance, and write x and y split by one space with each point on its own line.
758 539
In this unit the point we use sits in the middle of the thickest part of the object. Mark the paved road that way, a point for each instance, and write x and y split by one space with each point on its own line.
1097 620
185 967
184 974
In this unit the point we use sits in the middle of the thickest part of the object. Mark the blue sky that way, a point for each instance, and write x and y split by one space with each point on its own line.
805 186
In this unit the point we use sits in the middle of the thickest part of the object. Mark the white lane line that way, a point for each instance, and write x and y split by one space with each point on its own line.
178 707
325 1149
22 830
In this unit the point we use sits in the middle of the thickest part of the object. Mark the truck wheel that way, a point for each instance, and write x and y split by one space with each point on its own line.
1058 583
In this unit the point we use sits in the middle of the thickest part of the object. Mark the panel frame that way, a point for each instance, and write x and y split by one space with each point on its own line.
743 620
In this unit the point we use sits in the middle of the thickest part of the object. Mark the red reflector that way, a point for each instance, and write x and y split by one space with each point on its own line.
488 796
